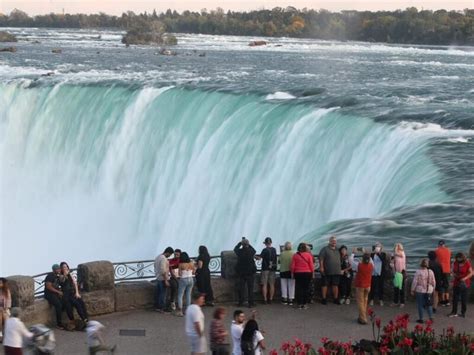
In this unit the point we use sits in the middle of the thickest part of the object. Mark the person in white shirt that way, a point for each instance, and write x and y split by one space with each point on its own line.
194 325
15 334
236 330
162 272
252 340
95 339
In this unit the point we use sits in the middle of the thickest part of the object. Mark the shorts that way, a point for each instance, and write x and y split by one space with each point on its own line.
444 286
268 277
330 280
198 344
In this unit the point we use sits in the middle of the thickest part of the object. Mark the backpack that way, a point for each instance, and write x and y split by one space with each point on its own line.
247 347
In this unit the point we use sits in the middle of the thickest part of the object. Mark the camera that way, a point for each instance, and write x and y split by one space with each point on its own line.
310 246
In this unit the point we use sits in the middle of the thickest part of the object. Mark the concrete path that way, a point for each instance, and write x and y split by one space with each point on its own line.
164 333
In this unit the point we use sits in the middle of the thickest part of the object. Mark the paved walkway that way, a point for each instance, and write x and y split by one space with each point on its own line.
165 332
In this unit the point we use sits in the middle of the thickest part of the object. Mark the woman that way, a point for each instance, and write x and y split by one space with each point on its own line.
5 303
71 296
302 270
219 342
15 334
252 341
287 283
462 271
363 280
434 266
203 275
422 287
345 284
186 271
399 266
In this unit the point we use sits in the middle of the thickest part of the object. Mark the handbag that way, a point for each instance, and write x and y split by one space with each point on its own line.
428 301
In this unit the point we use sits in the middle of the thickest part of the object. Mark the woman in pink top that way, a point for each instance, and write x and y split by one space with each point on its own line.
302 270
422 287
399 265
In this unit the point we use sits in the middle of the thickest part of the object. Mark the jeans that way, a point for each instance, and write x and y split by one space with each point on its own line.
287 288
246 282
173 290
57 303
185 286
362 298
160 299
420 303
376 288
459 294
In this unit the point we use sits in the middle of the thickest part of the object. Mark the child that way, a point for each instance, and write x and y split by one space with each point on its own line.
95 341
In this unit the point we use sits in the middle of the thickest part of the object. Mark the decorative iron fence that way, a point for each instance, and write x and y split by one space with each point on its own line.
145 270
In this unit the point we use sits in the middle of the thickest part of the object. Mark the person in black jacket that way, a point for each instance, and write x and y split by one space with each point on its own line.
203 275
435 266
245 270
381 268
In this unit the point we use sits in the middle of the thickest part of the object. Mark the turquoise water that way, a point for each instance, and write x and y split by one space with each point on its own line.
104 162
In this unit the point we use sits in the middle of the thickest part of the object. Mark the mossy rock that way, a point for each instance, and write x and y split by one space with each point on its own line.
7 37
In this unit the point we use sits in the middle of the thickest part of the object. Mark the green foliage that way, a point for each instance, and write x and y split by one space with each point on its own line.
408 26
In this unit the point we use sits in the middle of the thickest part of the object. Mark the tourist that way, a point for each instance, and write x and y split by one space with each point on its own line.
471 253
203 275
399 266
186 281
438 273
363 281
95 338
443 255
287 283
218 333
245 270
53 293
5 303
252 341
302 269
269 266
15 333
194 325
71 296
162 277
236 330
174 278
345 284
330 269
462 272
381 267
422 288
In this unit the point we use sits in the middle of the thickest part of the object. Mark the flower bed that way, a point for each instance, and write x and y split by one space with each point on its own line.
393 338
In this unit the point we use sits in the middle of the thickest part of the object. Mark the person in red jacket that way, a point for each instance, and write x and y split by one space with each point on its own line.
363 280
302 270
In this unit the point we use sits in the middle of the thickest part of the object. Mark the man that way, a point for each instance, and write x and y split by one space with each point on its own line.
381 264
237 328
246 270
53 294
195 325
162 269
330 268
174 279
269 266
443 255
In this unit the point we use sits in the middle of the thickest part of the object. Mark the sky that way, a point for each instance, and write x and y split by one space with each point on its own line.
116 7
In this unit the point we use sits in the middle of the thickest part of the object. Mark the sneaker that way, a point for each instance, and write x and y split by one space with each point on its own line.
402 305
419 321
179 314
452 315
324 301
447 304
348 301
159 310
305 306
300 306
360 321
381 303
290 302
60 327
284 301
342 301
371 303
173 306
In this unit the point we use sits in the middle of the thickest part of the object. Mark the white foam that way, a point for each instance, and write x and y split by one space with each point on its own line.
280 95
458 140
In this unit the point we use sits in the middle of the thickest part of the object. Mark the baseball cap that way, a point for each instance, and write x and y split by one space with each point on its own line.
55 267
268 240
441 242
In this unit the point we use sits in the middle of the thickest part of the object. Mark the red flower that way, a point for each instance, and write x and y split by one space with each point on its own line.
383 349
370 312
298 342
418 328
450 331
408 342
274 352
378 322
285 346
324 340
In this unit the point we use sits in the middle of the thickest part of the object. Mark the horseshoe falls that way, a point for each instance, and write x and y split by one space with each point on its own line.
118 162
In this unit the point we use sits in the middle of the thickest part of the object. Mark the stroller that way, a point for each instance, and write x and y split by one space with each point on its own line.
43 341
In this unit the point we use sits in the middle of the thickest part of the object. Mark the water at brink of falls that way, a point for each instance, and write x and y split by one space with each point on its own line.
114 153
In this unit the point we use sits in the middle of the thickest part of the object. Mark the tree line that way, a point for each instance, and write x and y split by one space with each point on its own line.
408 26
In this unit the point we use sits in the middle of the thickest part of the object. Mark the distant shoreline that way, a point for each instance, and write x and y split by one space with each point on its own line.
409 27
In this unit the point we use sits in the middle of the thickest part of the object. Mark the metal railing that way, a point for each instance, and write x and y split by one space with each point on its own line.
145 270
